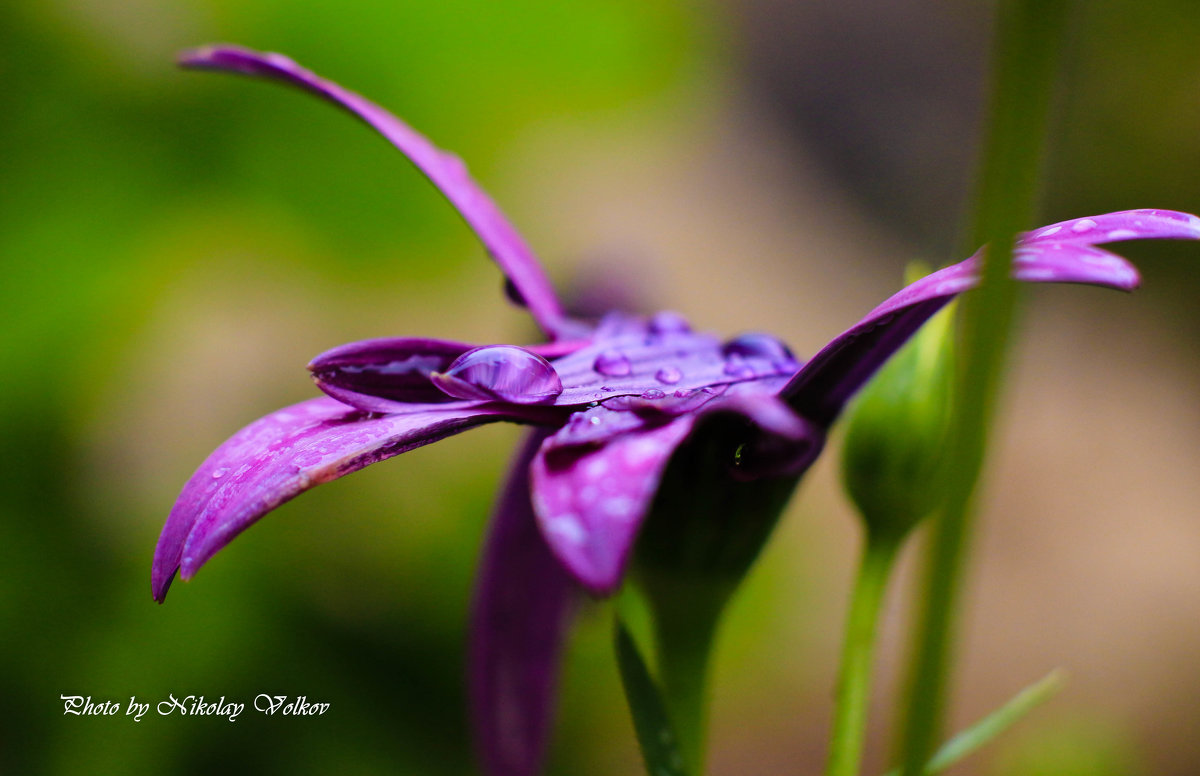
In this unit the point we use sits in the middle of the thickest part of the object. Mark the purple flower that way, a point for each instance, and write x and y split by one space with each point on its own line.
611 402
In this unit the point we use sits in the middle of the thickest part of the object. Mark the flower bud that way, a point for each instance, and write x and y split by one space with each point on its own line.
896 430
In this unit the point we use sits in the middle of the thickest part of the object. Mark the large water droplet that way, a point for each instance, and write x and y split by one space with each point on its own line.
613 363
755 345
503 372
653 394
668 375
667 322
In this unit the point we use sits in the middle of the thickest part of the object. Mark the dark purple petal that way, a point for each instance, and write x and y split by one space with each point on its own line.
821 388
523 607
445 170
284 454
504 372
782 443
1124 225
385 375
394 370
590 501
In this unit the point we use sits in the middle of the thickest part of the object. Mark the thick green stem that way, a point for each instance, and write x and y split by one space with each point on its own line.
1028 36
858 651
684 633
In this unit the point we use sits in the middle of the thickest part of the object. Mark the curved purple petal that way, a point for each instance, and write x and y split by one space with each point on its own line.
523 607
375 375
385 375
821 387
595 479
590 501
1123 225
444 170
284 454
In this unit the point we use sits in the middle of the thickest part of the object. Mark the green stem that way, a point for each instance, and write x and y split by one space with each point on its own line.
854 681
1028 37
684 632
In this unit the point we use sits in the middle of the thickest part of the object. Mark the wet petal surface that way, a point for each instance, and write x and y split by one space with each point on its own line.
1123 225
590 501
284 454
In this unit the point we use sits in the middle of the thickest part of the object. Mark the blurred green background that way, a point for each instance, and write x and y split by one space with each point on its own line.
174 248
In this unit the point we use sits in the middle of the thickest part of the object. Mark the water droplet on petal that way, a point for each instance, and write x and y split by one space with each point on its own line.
737 367
219 473
503 372
668 375
667 322
612 363
755 345
653 393
1082 225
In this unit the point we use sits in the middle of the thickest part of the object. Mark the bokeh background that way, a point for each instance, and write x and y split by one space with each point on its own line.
176 246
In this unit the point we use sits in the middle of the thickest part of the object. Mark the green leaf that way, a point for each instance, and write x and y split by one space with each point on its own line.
655 734
991 726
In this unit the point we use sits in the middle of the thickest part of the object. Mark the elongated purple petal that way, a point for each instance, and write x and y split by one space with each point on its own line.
1123 225
445 170
590 501
822 386
284 454
523 607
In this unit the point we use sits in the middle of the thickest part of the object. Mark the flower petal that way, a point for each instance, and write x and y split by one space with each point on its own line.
590 500
445 170
1123 225
284 454
658 358
523 607
595 479
822 386
375 375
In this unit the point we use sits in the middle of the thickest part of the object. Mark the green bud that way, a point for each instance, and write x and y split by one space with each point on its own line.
896 429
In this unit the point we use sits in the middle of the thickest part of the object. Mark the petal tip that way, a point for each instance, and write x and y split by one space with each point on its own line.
160 583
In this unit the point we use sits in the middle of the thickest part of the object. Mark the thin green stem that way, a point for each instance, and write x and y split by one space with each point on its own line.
858 651
1028 37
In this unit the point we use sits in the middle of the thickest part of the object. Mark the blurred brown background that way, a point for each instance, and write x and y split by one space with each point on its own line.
175 248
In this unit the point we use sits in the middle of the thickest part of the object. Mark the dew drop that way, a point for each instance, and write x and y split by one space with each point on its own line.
612 363
668 375
755 345
503 372
653 393
219 473
667 322
1082 225
737 367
